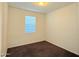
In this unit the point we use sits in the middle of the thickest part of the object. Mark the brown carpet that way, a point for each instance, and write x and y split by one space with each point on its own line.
39 49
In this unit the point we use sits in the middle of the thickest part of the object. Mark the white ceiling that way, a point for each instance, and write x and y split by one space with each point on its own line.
44 9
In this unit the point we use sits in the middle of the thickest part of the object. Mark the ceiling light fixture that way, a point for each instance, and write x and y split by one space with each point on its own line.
40 3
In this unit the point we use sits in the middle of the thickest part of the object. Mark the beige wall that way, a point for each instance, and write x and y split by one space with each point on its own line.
3 28
78 19
62 28
16 34
0 26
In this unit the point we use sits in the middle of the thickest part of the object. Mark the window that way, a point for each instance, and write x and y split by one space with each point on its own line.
30 24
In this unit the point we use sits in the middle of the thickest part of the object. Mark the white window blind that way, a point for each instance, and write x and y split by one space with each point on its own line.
30 24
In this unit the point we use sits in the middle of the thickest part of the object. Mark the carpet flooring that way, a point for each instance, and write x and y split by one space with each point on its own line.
39 49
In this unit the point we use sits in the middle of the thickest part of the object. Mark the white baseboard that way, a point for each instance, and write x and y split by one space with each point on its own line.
63 47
